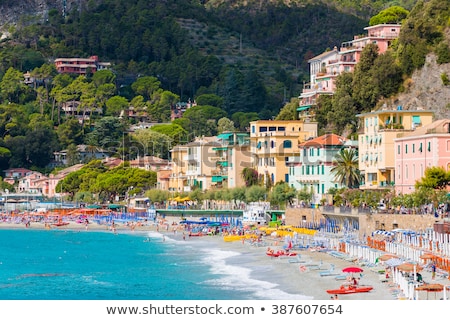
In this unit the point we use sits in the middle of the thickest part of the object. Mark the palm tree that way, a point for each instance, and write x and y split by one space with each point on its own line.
346 168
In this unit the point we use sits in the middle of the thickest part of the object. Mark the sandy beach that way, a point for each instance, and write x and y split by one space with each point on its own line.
290 276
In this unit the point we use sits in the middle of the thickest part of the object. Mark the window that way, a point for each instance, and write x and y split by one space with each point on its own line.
416 119
253 129
272 128
318 152
420 147
287 144
281 128
323 169
429 146
262 129
406 148
413 148
398 149
272 144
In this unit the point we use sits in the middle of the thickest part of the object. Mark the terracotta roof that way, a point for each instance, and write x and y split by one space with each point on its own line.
329 139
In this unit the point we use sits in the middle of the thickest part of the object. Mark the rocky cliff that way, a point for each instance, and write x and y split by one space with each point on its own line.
13 12
427 91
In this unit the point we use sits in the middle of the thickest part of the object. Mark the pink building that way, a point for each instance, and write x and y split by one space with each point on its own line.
80 65
428 146
325 67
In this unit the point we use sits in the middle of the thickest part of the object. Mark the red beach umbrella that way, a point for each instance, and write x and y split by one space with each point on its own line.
352 270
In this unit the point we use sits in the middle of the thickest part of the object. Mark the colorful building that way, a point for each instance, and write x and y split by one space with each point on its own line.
377 131
425 147
310 170
273 142
80 66
325 67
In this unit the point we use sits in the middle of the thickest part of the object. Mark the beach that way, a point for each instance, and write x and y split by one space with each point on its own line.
285 273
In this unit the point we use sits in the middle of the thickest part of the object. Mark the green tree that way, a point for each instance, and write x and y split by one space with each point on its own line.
209 99
250 177
153 143
282 194
225 125
346 168
434 178
289 111
12 86
172 130
102 77
115 105
255 193
69 132
365 93
394 14
242 119
146 86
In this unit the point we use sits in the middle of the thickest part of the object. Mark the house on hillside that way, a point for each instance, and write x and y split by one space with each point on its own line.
150 163
80 66
325 67
180 108
33 182
85 154
14 174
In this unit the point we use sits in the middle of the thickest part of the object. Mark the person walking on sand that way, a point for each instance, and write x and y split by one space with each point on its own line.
433 271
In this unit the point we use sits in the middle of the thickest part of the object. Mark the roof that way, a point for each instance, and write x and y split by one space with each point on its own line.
438 126
391 111
323 55
329 139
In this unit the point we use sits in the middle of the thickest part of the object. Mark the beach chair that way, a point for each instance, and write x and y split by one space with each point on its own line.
315 266
329 272
296 259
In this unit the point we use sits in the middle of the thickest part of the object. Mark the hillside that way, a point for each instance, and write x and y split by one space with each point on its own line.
425 90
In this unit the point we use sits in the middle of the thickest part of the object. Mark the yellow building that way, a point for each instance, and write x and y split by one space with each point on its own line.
273 142
178 178
210 163
376 135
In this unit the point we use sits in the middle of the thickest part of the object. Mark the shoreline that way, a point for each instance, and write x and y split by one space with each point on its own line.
288 276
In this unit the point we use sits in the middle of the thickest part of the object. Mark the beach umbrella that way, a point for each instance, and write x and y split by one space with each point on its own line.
394 262
409 267
386 257
427 255
431 287
352 269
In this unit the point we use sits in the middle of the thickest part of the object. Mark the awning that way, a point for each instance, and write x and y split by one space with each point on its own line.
220 148
222 163
224 136
114 206
217 179
303 108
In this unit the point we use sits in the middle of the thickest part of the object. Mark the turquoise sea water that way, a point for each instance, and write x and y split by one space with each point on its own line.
80 265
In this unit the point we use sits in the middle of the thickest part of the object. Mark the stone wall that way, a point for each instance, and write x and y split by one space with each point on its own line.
367 222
